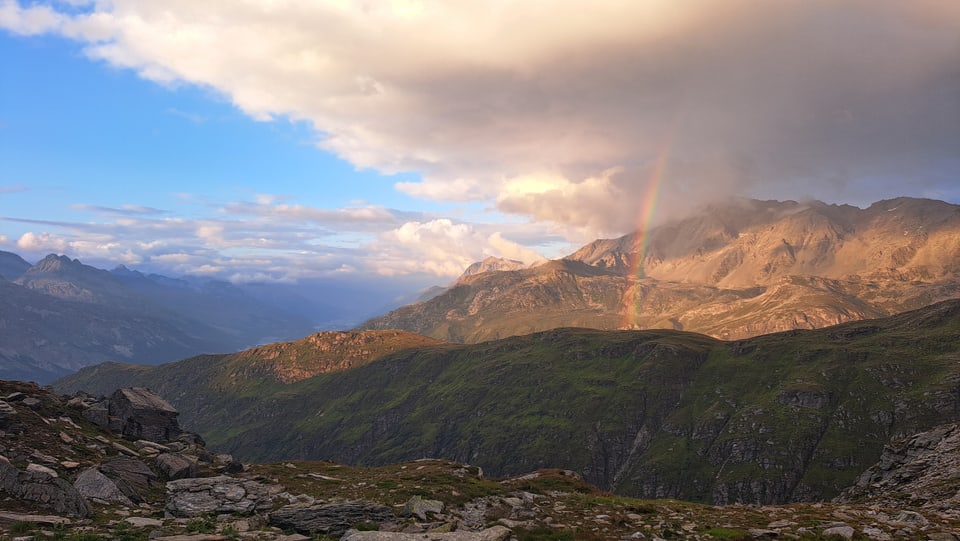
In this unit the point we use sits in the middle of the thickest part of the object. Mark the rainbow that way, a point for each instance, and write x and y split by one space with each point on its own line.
633 299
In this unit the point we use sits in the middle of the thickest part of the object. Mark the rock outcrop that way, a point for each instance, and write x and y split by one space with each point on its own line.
220 494
921 471
41 488
330 518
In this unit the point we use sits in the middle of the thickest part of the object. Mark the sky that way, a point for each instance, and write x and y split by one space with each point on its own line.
284 140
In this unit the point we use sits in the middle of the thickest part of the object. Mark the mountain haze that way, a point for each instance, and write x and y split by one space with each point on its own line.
666 414
736 270
60 315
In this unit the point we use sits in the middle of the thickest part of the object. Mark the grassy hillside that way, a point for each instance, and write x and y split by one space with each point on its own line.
790 416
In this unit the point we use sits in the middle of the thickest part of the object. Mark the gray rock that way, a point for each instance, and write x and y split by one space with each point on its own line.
221 494
144 415
42 489
496 533
331 518
174 467
419 507
31 402
7 411
132 476
97 414
845 532
96 486
37 468
143 522
42 520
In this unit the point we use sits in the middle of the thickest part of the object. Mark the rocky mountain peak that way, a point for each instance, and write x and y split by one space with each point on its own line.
492 264
733 270
54 263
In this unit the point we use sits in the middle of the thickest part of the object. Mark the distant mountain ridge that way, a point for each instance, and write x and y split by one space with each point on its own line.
735 270
793 416
60 315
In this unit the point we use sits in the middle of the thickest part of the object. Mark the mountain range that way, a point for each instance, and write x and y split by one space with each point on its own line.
791 416
734 270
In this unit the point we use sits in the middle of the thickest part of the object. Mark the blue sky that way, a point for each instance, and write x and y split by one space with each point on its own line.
283 140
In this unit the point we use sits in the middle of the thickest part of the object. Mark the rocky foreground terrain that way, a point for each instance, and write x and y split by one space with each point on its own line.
90 469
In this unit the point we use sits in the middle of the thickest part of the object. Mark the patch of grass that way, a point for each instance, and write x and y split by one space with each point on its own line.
201 525
366 527
728 533
124 532
231 531
21 528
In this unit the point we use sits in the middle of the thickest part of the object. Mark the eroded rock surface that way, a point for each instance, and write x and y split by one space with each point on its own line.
220 494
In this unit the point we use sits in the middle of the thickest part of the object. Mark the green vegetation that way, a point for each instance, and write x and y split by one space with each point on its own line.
202 525
642 413
728 533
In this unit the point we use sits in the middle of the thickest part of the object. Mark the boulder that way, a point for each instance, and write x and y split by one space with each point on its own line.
419 507
97 414
496 533
142 414
133 477
93 484
216 495
174 466
331 518
42 489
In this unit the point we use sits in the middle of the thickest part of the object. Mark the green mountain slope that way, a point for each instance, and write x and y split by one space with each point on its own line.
783 417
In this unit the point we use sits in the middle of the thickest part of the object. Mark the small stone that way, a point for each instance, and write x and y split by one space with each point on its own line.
143 522
37 468
125 450
758 533
911 517
781 524
845 532
65 438
293 537
876 534
31 402
69 422
69 464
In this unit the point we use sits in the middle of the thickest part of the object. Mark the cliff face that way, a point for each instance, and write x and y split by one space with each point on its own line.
920 471
787 417
734 271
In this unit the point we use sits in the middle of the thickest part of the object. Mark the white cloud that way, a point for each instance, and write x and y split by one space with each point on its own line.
36 242
30 21
441 247
579 120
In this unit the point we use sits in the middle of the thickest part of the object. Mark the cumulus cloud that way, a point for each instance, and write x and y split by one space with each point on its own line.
443 248
270 238
834 99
